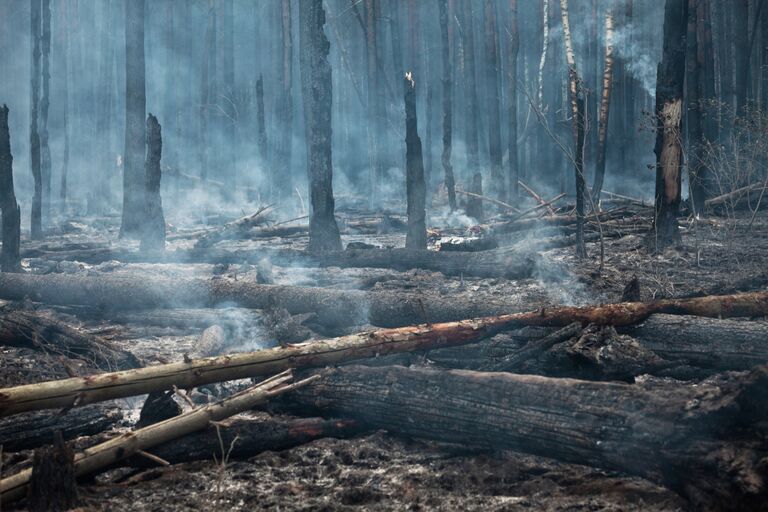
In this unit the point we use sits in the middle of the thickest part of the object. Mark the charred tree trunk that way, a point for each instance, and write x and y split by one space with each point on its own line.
260 121
153 229
450 182
231 120
692 449
318 96
34 135
416 189
375 106
693 117
472 111
135 110
283 178
579 126
740 19
669 121
9 208
208 91
605 105
65 50
45 101
513 174
52 486
498 180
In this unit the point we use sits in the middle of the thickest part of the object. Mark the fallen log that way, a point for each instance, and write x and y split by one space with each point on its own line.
20 328
332 307
699 440
105 454
734 195
248 436
33 429
233 230
500 263
80 391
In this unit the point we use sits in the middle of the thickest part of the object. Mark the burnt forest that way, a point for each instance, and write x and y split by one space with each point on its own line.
299 255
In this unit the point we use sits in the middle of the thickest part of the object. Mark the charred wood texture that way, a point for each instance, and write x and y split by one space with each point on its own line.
254 435
316 80
513 173
45 101
649 429
493 72
34 429
135 110
669 122
34 135
450 182
82 391
9 208
416 188
52 486
153 229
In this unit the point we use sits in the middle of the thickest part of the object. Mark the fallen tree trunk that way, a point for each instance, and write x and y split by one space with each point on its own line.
501 263
33 429
697 439
105 454
249 436
19 328
332 307
233 230
81 391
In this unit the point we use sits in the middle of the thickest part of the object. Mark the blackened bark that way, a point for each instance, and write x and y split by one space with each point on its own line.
318 96
472 110
153 233
135 110
605 105
65 49
375 105
498 181
45 150
513 174
579 127
695 130
283 178
260 120
740 19
475 204
34 136
450 182
52 486
416 190
9 208
669 100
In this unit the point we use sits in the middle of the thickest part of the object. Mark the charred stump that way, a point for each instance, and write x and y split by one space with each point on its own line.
52 487
9 208
316 80
416 189
153 232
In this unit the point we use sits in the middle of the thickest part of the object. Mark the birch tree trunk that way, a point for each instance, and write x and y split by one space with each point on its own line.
605 104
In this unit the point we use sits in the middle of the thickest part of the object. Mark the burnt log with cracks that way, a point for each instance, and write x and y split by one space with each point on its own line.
704 440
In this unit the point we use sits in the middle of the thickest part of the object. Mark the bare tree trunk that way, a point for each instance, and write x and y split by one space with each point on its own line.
416 237
669 148
283 179
260 120
472 110
693 86
740 18
65 49
605 104
513 175
45 101
577 110
153 232
375 112
135 110
208 90
100 188
318 96
498 180
34 136
229 160
450 182
9 208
